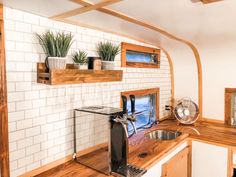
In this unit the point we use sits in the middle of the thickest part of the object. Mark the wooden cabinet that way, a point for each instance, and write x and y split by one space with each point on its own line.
209 160
177 166
158 169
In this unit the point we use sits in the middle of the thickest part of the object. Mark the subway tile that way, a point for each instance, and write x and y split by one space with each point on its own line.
11 87
40 155
25 161
39 121
15 56
9 25
15 76
12 126
31 95
12 146
18 172
23 47
31 19
32 149
23 105
16 116
23 86
13 165
17 154
32 131
23 27
13 14
33 166
40 138
10 45
23 124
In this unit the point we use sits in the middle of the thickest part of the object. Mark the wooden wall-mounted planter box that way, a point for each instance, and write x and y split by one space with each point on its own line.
75 76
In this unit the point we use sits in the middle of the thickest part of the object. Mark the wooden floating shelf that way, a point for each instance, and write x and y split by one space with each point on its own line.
75 76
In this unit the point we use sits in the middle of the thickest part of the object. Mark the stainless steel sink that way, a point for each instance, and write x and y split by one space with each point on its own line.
163 134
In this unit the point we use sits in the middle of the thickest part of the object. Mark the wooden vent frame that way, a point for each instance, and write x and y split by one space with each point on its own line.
137 48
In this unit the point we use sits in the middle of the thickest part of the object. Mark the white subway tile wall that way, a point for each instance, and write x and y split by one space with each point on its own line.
40 116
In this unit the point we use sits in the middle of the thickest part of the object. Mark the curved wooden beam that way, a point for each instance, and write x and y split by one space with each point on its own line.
84 9
209 1
161 31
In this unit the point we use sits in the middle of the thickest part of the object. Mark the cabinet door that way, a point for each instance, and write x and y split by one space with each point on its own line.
177 166
209 160
156 170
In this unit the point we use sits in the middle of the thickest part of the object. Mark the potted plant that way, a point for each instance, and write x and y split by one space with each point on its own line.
80 60
107 51
56 47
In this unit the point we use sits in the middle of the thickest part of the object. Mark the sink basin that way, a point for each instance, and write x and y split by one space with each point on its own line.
163 134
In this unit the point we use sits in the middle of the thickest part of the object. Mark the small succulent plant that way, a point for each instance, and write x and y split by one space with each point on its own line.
80 57
107 51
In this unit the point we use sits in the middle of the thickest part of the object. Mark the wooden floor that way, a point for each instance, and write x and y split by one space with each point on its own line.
71 169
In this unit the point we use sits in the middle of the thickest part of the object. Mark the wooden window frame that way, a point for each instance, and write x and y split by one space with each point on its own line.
138 48
228 94
144 92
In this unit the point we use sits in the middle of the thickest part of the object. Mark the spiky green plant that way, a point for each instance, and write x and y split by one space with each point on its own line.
80 57
55 44
107 51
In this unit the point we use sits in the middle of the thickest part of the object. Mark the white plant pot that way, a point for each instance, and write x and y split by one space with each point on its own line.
108 65
57 62
81 66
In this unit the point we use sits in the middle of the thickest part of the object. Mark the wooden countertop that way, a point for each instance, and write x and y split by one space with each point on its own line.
215 133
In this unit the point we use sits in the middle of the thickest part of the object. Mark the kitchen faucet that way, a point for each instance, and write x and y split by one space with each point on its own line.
132 117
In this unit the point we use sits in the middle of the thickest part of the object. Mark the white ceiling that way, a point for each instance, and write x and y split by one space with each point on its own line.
192 21
45 8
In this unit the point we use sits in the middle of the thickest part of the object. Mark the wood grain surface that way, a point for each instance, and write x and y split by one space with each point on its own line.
137 48
212 133
4 143
76 76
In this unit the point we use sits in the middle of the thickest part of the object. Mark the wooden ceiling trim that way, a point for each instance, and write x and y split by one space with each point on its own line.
210 1
163 32
83 9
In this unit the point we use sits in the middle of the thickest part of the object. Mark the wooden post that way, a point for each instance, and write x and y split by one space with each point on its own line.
4 144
